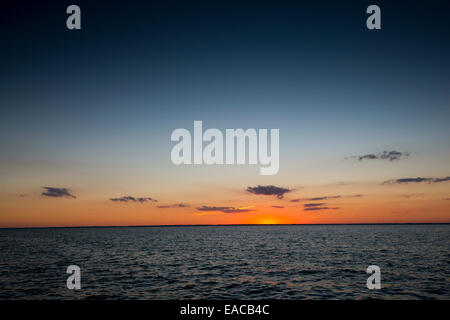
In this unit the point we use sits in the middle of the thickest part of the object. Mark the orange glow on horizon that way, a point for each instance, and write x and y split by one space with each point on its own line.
382 208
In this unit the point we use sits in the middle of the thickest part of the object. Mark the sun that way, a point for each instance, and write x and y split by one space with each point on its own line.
268 220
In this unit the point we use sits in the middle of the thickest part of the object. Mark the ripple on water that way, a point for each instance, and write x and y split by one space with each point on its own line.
242 262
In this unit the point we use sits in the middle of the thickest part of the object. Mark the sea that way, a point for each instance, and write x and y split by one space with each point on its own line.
290 262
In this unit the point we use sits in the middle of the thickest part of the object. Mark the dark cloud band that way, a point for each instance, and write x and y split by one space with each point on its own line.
385 155
224 209
316 198
269 191
416 180
126 199
57 192
309 205
176 205
319 208
326 198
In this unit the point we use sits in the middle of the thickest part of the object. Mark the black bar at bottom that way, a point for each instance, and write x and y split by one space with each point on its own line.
224 309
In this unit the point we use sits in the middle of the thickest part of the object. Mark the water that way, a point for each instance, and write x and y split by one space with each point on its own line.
235 262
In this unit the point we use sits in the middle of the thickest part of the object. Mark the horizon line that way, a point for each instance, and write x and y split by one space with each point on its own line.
233 225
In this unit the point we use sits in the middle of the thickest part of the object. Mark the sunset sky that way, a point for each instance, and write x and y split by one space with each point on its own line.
86 116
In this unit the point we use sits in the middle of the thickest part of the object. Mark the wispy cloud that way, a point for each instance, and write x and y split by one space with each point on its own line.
322 198
277 207
226 209
319 208
385 155
316 198
445 179
126 199
416 180
176 205
57 192
269 191
319 204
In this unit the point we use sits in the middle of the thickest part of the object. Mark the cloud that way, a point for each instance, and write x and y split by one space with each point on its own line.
208 208
416 180
133 199
176 205
385 155
278 207
327 198
319 208
445 179
323 198
238 210
226 209
319 204
446 199
407 180
56 192
318 198
269 191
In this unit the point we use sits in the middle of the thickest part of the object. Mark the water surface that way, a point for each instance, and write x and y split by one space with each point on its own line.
227 262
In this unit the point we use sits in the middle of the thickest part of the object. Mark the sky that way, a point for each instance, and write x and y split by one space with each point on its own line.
86 115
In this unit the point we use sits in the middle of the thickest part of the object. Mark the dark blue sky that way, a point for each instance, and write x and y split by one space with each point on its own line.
110 94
